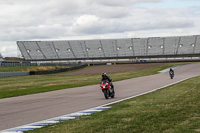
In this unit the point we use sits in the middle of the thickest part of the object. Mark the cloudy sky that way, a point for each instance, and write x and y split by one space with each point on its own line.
22 20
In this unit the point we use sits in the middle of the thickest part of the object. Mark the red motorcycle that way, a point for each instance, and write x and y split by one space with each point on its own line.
107 90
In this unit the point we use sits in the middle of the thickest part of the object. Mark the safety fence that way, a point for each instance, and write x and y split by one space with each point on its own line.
24 63
12 74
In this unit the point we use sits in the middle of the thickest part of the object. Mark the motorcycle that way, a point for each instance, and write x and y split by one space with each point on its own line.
107 90
171 75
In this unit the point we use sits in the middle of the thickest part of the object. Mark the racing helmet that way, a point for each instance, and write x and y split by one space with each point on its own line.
103 74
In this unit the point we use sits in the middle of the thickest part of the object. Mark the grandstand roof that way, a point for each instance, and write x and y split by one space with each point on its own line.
111 48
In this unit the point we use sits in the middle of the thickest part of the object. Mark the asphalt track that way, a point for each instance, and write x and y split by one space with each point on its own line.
23 110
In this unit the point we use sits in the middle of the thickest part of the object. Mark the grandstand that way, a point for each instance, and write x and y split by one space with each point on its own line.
152 47
1 57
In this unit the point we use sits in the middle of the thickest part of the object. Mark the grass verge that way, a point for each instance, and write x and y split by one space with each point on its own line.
174 109
23 85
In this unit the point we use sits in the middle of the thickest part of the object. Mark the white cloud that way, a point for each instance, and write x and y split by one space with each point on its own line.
8 49
124 2
6 2
91 19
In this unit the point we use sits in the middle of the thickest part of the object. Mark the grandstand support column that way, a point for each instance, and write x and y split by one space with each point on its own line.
83 50
117 49
86 49
17 53
163 46
20 50
26 50
72 49
179 40
113 49
147 46
133 49
41 50
55 50
1 59
102 49
195 43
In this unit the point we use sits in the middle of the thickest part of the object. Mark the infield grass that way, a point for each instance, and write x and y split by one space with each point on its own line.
23 85
174 109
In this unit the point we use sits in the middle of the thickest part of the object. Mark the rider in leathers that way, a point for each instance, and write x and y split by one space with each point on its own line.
171 71
105 77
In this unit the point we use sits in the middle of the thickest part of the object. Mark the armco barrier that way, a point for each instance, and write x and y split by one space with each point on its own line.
27 63
12 74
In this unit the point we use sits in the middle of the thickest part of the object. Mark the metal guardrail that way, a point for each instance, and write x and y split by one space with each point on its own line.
23 63
12 74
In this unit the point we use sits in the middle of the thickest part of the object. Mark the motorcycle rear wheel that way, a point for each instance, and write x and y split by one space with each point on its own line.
113 95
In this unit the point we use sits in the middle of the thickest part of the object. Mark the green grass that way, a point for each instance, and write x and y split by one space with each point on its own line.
30 68
174 109
23 85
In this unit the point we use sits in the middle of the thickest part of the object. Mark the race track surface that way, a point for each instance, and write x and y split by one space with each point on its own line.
112 68
23 110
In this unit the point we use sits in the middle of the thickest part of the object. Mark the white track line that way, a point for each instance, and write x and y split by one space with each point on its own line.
51 121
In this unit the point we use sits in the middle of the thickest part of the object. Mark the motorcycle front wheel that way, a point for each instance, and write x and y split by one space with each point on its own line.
106 93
